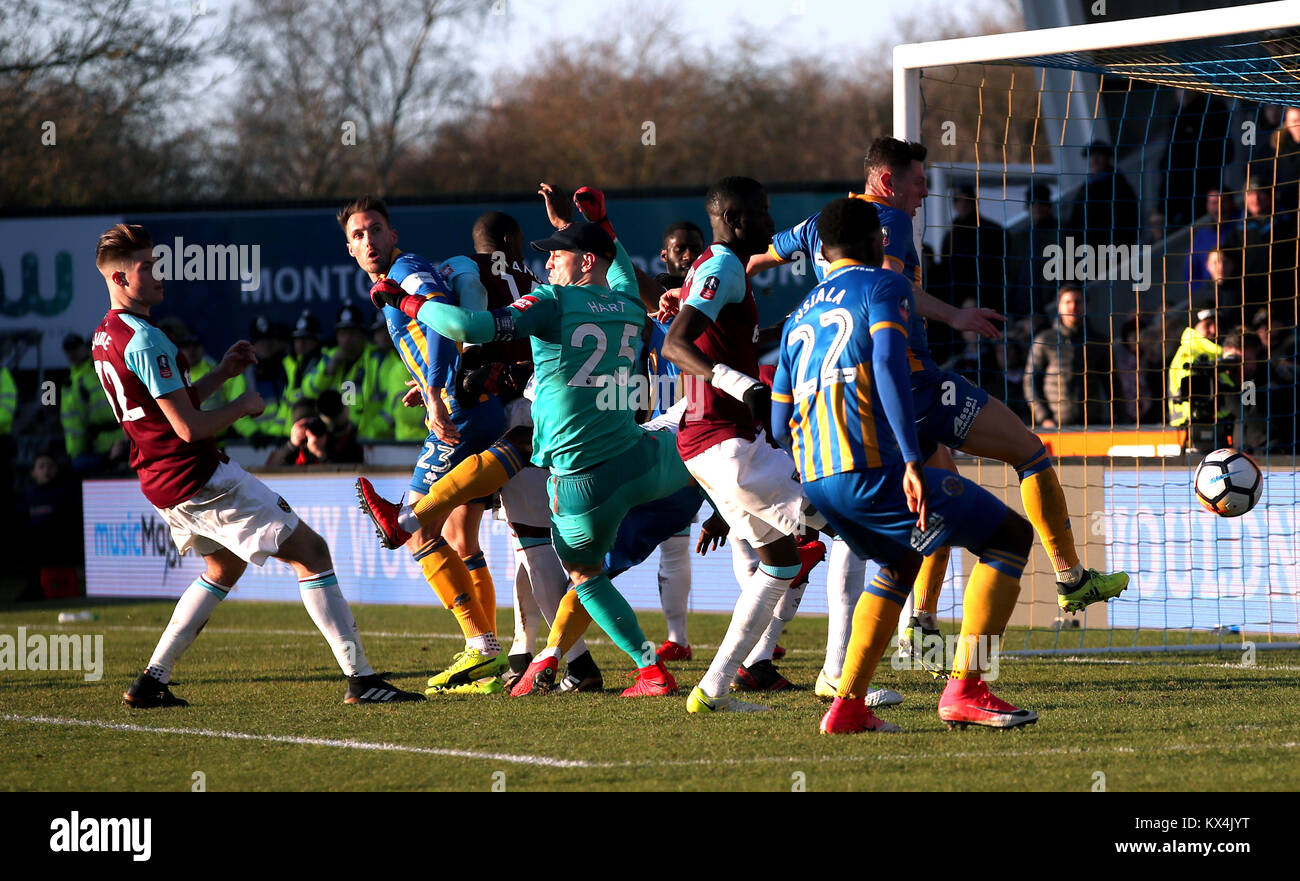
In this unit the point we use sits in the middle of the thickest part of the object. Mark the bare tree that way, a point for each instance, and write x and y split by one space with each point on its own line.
333 94
85 90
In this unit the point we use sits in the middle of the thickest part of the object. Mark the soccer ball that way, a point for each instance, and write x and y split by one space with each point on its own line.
1229 483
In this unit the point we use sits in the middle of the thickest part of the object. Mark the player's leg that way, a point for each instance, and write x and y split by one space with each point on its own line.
526 504
757 672
587 510
309 557
475 476
996 433
674 594
990 598
222 570
750 483
527 615
922 631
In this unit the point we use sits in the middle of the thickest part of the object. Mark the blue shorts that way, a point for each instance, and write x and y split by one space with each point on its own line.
479 428
945 413
869 511
647 526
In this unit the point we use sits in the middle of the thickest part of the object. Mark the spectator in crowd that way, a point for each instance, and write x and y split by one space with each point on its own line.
1222 289
1067 380
341 441
307 436
345 368
1200 391
974 257
1031 291
1286 164
1154 233
1268 246
380 386
90 429
1137 397
8 407
269 379
1106 209
1222 214
1195 157
307 353
1266 122
1260 427
52 509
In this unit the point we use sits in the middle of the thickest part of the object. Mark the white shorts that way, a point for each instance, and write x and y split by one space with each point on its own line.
236 511
754 488
519 412
524 498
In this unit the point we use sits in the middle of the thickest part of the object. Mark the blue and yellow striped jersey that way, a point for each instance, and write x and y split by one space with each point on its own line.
828 381
431 359
900 256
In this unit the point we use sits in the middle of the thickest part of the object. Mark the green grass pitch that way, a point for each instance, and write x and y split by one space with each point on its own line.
267 714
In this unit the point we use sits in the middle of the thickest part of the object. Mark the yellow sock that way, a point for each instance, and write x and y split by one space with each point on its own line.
991 596
1040 490
929 581
485 592
875 618
571 621
477 476
446 573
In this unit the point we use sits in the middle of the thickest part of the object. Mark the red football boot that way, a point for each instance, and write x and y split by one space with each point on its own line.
652 681
969 702
383 514
762 676
852 716
539 678
672 651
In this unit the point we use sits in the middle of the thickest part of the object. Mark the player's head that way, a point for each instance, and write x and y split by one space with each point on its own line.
738 212
124 257
581 253
1259 192
683 244
497 231
370 236
895 170
850 230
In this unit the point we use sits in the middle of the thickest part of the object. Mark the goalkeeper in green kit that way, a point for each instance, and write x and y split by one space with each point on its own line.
586 328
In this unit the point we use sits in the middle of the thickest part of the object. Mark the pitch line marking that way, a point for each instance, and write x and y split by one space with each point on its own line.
549 762
511 758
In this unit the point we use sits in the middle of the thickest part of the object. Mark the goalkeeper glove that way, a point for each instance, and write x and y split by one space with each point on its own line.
387 292
507 381
591 202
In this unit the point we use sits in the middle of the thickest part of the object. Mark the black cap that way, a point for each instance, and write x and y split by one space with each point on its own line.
1038 193
260 329
307 327
580 236
380 322
349 317
73 341
1099 146
967 190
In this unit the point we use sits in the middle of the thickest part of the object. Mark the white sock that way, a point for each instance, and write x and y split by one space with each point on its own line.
526 611
407 520
549 581
675 585
744 562
846 576
550 652
1072 576
486 643
783 615
758 598
192 611
333 618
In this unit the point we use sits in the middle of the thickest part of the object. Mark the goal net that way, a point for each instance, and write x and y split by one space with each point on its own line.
1126 193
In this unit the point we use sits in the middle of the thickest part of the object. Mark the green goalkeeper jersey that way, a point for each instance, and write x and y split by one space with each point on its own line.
585 339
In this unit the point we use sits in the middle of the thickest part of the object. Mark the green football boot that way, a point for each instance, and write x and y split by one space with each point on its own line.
468 666
1095 587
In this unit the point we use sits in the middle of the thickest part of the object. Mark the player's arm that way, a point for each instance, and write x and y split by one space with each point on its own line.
465 326
784 246
462 274
193 425
782 403
237 359
892 377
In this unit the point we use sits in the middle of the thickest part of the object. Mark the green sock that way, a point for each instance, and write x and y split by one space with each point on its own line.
608 609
